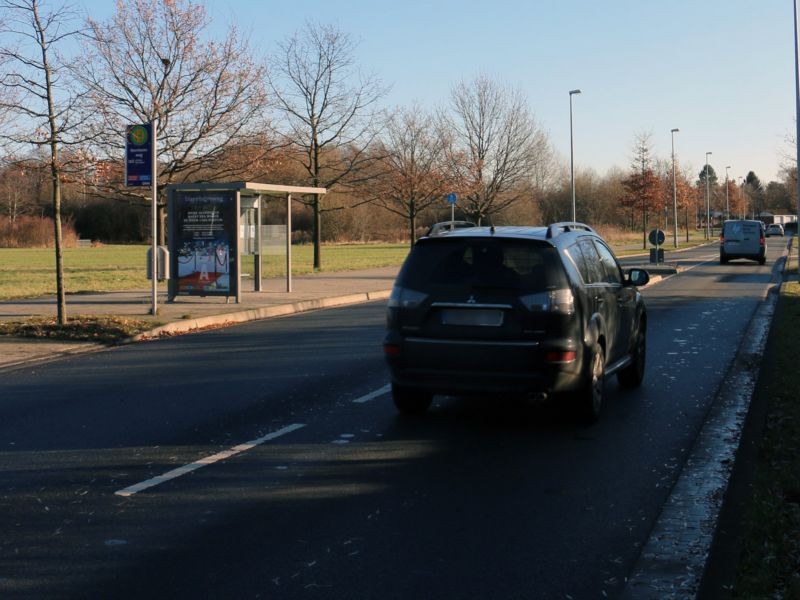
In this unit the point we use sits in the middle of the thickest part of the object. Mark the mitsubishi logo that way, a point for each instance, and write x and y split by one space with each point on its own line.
471 300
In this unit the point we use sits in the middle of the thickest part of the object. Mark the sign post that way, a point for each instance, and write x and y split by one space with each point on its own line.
451 200
657 238
141 169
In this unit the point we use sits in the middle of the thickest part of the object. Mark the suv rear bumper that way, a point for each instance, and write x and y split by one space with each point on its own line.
748 255
464 367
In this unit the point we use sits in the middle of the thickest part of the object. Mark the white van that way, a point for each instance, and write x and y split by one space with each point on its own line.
743 239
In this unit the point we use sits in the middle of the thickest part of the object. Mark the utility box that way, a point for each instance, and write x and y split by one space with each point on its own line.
163 263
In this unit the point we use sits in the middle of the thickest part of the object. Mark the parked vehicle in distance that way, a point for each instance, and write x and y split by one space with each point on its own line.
444 226
525 311
774 229
743 238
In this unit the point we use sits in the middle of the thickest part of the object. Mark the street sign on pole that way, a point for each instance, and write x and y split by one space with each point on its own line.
451 200
139 155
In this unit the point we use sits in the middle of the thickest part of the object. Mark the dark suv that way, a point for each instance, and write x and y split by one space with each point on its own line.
515 310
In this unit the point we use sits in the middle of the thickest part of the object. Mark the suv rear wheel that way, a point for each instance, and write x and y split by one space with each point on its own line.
632 375
589 400
410 401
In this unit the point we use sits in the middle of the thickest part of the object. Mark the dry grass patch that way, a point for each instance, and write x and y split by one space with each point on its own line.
81 328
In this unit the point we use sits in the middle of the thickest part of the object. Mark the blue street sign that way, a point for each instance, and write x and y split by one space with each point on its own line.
139 155
451 198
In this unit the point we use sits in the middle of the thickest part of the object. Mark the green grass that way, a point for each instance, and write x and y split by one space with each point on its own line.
27 273
768 567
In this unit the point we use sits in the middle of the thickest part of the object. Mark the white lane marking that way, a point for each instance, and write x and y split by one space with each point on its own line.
208 460
372 395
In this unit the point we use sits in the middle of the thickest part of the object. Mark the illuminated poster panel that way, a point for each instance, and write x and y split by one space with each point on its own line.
206 243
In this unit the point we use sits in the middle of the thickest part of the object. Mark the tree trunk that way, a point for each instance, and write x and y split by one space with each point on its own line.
644 227
60 290
413 223
317 234
686 218
317 229
54 173
162 225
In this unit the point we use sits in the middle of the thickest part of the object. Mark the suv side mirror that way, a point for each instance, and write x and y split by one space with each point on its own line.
638 277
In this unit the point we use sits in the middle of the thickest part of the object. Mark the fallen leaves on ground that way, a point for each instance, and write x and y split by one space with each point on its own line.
81 328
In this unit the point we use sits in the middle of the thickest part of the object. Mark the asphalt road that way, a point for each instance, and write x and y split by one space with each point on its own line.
336 496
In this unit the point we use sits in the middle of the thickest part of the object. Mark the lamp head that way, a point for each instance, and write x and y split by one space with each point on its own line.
574 92
676 130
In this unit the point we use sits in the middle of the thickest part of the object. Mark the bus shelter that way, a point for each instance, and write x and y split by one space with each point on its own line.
211 225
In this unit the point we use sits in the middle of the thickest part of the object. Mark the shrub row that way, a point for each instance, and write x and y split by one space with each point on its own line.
34 232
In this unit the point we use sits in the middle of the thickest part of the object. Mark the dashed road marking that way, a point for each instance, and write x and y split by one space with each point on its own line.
372 395
208 460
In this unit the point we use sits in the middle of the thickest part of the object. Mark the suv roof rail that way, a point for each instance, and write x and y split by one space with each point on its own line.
556 228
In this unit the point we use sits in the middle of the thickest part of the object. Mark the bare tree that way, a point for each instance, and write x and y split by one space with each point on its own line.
154 61
496 146
16 196
38 95
327 111
412 169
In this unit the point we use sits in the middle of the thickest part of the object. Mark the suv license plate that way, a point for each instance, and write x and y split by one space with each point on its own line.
478 317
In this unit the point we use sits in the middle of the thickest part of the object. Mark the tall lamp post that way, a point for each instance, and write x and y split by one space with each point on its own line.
674 190
165 62
708 201
572 154
727 195
797 120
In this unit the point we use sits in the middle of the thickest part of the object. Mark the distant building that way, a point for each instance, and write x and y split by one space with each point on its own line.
768 217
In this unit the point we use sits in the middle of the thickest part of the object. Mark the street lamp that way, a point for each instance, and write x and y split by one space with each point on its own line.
708 201
674 190
165 62
797 120
572 154
727 198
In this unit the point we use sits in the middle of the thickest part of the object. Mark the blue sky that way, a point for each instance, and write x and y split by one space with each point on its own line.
722 71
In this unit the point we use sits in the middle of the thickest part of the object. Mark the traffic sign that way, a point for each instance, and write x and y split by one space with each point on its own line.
139 155
451 198
657 237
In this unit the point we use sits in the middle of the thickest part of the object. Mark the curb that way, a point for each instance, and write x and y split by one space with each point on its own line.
256 314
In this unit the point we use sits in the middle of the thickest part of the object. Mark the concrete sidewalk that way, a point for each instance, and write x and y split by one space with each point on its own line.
186 313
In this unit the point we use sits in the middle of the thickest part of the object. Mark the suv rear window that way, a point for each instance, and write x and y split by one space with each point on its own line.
483 262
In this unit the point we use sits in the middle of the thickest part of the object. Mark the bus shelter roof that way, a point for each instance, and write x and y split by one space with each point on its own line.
248 188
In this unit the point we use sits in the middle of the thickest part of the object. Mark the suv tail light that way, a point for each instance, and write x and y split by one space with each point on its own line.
404 298
557 301
562 356
762 240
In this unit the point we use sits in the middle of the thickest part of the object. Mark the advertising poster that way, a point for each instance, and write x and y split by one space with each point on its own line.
206 238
